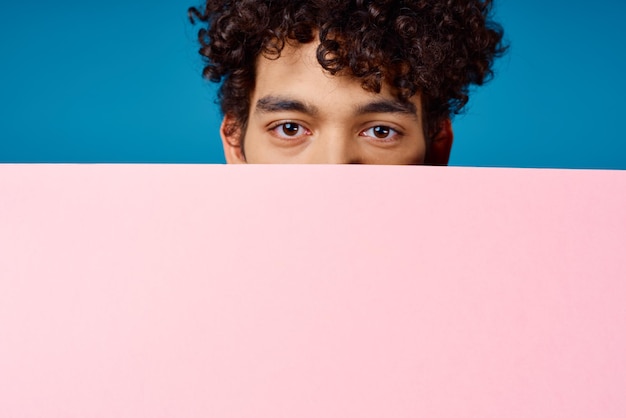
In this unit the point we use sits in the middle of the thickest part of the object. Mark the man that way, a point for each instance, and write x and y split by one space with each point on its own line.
344 81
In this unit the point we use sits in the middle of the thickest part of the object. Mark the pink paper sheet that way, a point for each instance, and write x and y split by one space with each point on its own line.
311 291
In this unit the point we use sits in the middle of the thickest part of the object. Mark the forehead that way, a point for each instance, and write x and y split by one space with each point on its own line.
297 73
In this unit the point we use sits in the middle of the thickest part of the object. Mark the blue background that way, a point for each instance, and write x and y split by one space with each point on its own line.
120 81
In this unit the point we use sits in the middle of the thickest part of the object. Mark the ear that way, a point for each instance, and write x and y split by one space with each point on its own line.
441 144
231 135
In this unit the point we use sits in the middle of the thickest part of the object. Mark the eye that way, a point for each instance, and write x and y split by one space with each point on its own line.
289 130
381 132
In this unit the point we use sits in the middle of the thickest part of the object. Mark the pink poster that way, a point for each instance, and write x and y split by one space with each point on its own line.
311 291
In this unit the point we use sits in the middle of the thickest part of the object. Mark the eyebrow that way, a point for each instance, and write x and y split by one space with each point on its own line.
270 104
387 106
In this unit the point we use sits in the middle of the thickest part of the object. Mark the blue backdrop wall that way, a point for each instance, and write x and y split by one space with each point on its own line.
120 82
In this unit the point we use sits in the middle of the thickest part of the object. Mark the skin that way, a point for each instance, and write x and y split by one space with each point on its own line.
299 113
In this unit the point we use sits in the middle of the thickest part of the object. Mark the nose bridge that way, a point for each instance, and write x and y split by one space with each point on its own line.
337 146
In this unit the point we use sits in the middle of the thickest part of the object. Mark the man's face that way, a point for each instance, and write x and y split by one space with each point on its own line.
301 114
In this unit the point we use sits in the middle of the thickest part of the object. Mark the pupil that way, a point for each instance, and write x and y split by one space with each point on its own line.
291 129
381 131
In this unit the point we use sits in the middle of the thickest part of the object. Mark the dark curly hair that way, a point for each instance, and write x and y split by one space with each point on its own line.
437 48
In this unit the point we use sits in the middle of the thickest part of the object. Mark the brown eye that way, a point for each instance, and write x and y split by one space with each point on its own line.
290 129
381 131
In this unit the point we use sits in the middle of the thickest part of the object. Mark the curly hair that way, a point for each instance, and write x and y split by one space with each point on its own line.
437 48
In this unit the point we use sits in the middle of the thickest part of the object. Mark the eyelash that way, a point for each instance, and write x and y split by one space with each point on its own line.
394 134
274 129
